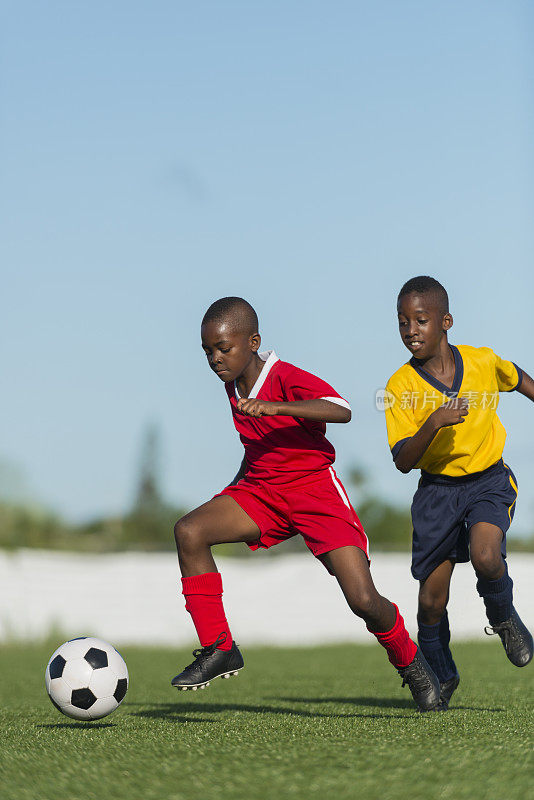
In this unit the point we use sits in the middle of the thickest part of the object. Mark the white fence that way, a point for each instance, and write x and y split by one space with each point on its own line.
135 598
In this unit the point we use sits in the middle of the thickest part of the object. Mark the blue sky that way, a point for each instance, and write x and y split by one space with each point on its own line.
308 156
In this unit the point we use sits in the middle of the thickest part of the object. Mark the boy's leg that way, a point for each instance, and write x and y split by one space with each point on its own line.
217 521
434 633
495 587
351 569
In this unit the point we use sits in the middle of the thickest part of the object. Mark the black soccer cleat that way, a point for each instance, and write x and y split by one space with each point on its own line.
209 663
422 683
516 639
446 691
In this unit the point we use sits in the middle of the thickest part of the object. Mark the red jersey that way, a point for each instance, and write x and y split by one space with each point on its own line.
281 449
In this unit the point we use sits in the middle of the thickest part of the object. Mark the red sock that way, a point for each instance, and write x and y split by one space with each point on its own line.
203 600
399 647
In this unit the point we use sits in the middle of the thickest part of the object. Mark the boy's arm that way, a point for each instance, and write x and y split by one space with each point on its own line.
526 386
411 452
240 473
318 410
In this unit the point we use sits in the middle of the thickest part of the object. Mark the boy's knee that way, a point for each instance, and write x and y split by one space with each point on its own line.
487 563
364 604
187 533
431 607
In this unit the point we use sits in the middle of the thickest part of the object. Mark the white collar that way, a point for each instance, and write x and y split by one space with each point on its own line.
270 358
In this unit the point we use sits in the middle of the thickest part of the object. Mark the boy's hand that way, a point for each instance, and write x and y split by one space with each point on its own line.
451 413
256 408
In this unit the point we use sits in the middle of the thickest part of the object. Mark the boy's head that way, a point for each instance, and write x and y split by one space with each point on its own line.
424 318
230 336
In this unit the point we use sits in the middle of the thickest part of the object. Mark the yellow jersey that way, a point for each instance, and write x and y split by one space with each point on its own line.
412 394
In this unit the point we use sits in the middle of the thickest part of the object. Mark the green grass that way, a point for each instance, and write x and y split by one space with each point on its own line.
329 722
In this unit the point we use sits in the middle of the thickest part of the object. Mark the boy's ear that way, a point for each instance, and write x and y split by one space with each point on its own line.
254 342
447 322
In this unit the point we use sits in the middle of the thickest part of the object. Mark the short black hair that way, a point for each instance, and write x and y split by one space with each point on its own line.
237 310
424 284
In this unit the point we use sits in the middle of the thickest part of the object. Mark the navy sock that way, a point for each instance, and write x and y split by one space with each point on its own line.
434 643
497 596
445 637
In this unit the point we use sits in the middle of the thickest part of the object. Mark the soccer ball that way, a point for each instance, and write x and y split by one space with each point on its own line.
86 678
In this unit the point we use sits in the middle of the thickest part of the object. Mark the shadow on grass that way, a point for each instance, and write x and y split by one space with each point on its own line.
93 726
171 711
82 725
150 713
477 708
381 702
373 702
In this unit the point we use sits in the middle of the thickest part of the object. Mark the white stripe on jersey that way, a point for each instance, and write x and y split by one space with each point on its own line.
270 358
345 499
337 400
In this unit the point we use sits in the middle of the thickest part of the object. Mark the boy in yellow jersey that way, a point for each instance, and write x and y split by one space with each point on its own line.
441 418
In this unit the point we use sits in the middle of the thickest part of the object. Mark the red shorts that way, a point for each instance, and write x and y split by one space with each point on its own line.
316 506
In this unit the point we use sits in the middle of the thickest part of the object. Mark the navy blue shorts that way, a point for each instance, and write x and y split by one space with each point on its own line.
444 509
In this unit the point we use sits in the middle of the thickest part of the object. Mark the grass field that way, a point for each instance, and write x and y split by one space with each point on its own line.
329 722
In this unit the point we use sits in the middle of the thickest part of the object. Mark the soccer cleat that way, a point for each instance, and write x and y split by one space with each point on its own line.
422 682
209 663
516 639
447 689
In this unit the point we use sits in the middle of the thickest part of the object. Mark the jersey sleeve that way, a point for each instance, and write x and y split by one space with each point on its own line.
302 385
400 420
508 374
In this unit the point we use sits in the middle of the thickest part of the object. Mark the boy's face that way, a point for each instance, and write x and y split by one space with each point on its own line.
422 324
228 350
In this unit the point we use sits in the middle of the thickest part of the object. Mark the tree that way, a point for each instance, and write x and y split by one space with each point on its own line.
151 520
149 499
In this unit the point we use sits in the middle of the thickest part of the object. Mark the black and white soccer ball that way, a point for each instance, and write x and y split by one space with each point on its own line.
86 678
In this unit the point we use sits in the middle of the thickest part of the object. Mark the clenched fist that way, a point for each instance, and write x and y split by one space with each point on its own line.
451 413
256 408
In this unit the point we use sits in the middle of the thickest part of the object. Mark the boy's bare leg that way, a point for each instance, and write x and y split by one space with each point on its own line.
485 549
434 594
495 587
351 568
220 520
217 521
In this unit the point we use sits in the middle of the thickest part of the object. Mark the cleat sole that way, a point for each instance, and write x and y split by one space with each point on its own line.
225 675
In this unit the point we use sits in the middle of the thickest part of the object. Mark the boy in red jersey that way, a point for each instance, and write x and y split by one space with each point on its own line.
286 485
